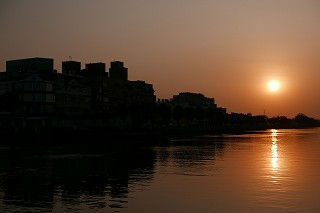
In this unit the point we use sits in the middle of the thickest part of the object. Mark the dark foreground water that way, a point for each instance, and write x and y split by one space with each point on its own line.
269 171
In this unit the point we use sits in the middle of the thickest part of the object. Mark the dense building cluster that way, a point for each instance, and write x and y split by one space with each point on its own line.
33 94
32 87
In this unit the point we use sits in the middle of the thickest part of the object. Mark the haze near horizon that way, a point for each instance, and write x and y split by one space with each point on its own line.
228 50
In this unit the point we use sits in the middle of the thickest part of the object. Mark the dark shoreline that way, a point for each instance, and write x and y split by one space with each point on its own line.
121 137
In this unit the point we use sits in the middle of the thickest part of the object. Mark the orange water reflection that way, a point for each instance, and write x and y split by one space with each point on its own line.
274 150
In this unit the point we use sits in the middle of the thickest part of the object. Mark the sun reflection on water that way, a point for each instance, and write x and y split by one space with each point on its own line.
274 150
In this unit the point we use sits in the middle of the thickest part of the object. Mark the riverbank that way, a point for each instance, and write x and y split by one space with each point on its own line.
153 136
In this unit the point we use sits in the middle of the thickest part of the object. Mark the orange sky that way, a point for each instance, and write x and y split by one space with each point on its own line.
226 49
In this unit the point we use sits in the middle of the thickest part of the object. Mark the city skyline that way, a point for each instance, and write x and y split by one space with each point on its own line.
228 51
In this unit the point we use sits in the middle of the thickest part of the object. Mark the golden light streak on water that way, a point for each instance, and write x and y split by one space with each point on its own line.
274 150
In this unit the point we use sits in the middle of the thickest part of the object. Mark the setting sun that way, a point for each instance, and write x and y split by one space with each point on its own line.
273 86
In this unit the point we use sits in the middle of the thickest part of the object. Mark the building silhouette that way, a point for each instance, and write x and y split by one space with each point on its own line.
28 65
31 89
71 67
118 71
188 99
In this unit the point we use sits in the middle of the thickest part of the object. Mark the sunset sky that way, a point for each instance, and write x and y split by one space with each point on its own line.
226 49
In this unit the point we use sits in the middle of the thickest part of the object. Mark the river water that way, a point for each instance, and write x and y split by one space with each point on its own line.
266 171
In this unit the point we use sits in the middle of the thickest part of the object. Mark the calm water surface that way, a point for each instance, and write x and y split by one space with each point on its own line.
268 171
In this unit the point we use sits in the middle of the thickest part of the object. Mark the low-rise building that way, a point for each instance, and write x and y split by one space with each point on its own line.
188 99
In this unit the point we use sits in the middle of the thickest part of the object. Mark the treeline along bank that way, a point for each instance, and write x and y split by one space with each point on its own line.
35 98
